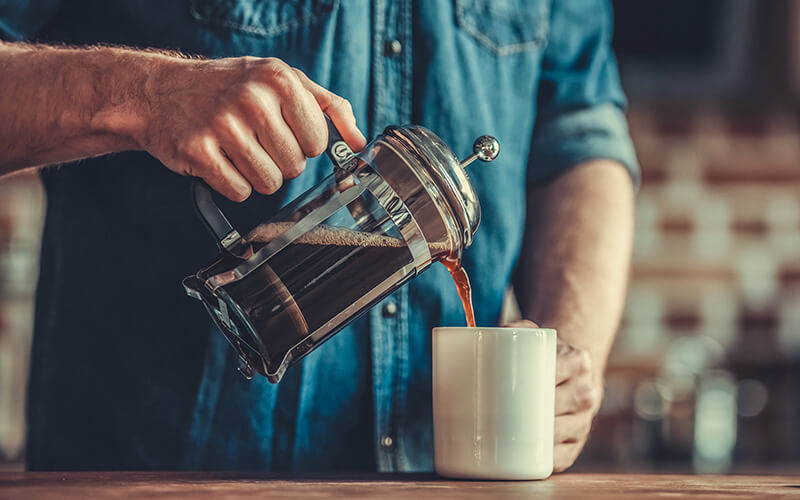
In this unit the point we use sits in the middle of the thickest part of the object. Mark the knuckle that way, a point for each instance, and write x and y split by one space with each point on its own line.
270 182
341 104
316 146
247 93
584 363
222 121
248 62
197 150
585 398
208 147
299 72
187 150
580 399
596 397
271 62
243 66
281 77
195 142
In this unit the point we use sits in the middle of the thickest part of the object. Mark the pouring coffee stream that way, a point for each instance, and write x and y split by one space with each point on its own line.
384 216
486 148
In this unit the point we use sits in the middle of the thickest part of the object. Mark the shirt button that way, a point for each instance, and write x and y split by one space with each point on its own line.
389 309
387 441
392 48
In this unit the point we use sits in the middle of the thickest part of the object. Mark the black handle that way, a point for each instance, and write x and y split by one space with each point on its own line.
215 221
338 151
211 215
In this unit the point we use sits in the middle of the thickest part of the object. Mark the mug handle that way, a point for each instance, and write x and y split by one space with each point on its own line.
225 235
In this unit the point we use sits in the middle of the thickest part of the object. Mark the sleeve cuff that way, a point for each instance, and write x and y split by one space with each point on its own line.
563 141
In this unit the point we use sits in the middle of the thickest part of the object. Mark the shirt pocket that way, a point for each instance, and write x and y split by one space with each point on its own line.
264 18
505 26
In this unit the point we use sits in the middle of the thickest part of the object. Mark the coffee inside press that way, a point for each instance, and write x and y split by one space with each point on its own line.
356 251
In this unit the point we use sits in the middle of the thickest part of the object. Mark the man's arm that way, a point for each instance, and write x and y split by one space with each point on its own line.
54 103
239 123
572 276
574 264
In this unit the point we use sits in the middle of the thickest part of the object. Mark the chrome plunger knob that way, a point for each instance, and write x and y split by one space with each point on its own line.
485 148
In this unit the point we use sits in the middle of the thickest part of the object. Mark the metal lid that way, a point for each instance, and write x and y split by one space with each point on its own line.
448 172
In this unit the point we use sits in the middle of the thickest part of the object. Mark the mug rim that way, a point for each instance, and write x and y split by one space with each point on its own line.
493 329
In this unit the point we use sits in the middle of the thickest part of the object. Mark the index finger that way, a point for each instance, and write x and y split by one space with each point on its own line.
521 323
338 109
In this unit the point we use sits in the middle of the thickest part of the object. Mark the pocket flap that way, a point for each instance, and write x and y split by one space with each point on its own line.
505 26
261 17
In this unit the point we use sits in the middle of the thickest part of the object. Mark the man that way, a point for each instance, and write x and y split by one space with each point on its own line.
128 373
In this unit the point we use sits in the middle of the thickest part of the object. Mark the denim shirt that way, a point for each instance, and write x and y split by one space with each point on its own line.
127 371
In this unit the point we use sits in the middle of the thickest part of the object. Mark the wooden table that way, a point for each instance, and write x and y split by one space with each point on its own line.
200 485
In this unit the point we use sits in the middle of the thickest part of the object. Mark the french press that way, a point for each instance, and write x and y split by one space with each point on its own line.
383 216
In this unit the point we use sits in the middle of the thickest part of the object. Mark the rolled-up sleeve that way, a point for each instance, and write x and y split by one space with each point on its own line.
21 20
580 101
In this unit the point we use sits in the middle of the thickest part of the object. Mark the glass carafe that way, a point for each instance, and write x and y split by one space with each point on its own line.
381 217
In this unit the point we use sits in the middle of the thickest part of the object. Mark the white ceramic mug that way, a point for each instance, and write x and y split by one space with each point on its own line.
494 402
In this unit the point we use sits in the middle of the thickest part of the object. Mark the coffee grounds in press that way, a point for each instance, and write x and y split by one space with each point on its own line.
330 237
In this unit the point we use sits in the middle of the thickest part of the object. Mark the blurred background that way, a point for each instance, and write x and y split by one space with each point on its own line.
705 375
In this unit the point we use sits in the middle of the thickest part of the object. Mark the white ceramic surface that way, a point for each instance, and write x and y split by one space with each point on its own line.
493 402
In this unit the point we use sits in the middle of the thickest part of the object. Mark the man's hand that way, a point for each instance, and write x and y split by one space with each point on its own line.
572 275
240 123
577 400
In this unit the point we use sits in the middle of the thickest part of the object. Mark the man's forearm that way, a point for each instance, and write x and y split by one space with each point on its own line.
61 104
574 263
238 123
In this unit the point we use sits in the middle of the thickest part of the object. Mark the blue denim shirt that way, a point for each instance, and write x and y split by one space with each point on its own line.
127 371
